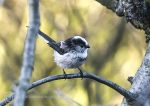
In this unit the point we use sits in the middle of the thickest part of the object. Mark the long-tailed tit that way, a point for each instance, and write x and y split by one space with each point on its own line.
75 52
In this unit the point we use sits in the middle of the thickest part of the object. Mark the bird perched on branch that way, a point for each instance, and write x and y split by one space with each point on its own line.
74 48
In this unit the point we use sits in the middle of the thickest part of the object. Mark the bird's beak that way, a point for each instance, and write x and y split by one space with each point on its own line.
87 46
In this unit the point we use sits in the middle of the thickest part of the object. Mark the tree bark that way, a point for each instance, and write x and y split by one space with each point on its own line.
137 12
29 49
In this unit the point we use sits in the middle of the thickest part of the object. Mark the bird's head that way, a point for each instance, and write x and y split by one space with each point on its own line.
76 43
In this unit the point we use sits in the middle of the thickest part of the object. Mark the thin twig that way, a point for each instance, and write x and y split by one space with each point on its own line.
111 84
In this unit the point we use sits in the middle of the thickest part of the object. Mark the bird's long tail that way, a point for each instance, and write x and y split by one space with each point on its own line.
51 42
46 38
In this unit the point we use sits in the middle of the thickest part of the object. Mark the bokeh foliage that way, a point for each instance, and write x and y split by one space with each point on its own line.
116 51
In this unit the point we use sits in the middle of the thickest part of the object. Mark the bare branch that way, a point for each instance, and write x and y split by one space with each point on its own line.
112 85
137 12
28 59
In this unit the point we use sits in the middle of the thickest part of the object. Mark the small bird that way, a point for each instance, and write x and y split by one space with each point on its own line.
75 52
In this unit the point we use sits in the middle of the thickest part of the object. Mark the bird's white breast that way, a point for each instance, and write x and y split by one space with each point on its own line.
71 59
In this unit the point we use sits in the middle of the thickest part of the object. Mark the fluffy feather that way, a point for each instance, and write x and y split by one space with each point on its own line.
71 59
75 51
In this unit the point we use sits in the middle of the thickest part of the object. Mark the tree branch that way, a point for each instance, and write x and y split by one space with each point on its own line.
28 59
112 85
137 12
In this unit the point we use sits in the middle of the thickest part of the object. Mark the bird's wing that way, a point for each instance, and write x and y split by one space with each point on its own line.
61 45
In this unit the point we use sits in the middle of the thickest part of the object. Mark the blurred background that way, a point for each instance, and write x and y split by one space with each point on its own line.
116 52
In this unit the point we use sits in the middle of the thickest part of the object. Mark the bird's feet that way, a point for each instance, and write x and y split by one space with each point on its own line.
81 73
65 75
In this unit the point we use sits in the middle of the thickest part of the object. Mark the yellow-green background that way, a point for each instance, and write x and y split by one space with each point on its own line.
116 51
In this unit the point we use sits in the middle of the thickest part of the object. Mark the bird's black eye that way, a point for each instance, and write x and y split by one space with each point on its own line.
81 46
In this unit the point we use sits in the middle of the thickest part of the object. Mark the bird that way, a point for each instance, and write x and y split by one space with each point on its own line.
75 52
